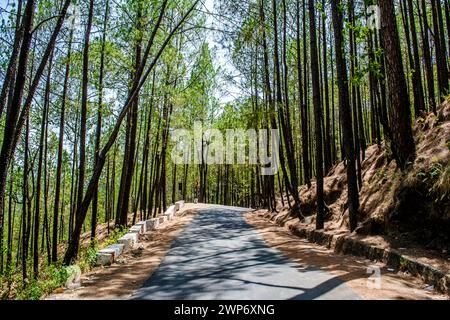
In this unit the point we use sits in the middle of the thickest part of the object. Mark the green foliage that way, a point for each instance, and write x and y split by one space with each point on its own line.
431 174
114 236
441 186
403 263
50 278
88 257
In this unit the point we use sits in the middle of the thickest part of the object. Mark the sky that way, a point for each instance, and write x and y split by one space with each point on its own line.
222 57
3 4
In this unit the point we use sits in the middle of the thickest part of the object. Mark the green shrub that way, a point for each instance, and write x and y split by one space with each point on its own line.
50 278
88 257
114 236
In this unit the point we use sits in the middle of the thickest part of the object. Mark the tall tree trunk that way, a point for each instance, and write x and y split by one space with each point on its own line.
402 143
269 180
427 56
60 152
417 75
345 114
84 106
37 206
128 165
146 155
439 43
327 134
290 180
354 88
154 170
410 26
317 114
73 179
14 122
98 130
8 82
16 102
25 220
9 248
45 227
304 102
289 143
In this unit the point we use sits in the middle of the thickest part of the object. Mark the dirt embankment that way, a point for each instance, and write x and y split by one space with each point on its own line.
407 210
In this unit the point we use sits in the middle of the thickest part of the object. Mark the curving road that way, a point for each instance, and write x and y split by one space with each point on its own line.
219 256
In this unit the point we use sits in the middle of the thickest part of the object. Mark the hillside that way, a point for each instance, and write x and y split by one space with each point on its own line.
410 208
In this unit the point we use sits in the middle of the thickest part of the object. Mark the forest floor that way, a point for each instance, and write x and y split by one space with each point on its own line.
351 269
121 279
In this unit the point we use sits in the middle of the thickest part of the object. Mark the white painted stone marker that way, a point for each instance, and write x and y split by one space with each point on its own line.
118 249
170 212
136 229
105 258
144 226
73 277
152 224
181 204
128 241
134 237
162 219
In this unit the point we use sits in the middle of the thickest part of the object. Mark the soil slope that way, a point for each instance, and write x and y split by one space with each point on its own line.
407 210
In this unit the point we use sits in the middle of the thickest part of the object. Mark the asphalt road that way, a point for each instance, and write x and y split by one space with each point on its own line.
218 256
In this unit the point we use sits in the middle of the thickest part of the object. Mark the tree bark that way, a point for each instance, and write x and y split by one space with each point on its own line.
327 134
427 56
441 64
98 130
16 101
60 152
8 82
345 114
39 178
84 102
402 143
317 114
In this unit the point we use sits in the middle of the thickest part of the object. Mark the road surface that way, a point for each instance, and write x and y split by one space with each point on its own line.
219 256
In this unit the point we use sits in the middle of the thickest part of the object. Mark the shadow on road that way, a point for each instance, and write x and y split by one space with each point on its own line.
220 256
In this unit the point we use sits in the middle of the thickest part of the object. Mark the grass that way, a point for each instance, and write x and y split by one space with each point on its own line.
403 264
50 277
114 236
441 187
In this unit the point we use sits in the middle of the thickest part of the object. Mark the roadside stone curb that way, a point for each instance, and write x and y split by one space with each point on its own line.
107 256
345 245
